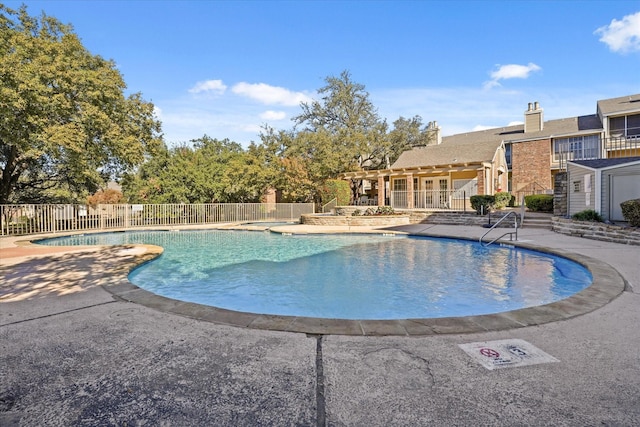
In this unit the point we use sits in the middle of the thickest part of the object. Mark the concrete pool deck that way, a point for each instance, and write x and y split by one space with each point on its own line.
73 353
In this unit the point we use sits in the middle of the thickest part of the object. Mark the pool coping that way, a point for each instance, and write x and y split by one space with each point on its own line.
607 284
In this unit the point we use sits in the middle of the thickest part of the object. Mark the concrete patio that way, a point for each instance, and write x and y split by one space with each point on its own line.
72 352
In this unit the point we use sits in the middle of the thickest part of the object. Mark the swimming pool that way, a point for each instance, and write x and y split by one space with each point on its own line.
346 276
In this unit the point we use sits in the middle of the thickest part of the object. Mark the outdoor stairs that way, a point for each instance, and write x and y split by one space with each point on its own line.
537 220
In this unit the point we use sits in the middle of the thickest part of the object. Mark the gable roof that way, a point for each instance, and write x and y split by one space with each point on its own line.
449 152
619 105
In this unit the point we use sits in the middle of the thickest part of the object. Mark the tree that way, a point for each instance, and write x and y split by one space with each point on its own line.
209 170
66 126
406 134
342 131
105 196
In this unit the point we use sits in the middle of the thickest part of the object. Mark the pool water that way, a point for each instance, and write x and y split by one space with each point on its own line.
346 276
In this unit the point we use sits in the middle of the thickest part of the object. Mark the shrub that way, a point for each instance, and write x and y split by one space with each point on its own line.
483 204
587 215
335 189
502 199
385 210
631 212
539 202
380 210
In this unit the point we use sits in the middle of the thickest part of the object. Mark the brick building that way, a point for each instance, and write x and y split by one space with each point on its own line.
521 159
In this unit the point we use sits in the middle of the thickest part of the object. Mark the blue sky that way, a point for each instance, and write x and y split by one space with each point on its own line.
225 68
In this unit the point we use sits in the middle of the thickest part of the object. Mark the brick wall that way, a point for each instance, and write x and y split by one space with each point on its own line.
481 187
531 162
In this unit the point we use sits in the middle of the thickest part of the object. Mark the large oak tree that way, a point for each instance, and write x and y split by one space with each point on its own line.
66 126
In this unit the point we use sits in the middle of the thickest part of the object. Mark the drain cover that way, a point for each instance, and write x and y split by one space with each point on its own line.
506 353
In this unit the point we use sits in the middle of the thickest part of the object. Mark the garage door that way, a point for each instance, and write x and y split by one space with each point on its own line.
624 187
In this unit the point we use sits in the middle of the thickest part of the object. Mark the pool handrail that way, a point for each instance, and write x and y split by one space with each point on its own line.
510 233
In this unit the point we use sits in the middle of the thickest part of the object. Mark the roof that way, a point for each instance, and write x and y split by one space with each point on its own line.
480 146
450 151
620 105
605 163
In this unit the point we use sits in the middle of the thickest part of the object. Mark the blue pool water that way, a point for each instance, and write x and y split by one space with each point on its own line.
346 276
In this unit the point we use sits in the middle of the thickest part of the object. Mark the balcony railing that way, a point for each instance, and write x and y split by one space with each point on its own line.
615 147
30 219
605 148
455 200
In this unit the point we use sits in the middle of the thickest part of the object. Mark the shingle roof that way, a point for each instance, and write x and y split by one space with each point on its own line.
480 146
605 163
619 105
448 153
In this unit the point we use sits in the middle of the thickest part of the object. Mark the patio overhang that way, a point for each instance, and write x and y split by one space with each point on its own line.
420 170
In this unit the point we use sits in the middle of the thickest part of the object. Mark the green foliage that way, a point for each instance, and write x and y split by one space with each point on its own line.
587 215
631 211
539 202
502 200
208 171
67 127
335 188
483 203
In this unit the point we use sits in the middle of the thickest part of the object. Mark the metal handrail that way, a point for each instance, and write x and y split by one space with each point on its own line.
331 204
510 233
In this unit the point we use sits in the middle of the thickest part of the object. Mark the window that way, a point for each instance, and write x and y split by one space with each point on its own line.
576 186
625 125
507 154
465 187
400 184
576 148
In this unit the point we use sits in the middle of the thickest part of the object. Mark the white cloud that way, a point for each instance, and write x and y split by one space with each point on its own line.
510 71
214 86
622 36
270 95
273 115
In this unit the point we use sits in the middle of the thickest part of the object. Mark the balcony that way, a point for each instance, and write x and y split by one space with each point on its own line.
593 149
615 147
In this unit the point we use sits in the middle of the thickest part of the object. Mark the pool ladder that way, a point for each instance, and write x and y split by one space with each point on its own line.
511 234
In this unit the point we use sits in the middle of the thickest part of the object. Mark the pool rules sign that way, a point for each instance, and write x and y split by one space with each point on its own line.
506 353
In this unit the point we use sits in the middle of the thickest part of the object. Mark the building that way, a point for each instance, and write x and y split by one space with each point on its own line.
521 159
602 184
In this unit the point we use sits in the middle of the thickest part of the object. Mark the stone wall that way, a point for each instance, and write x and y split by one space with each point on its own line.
354 221
597 231
447 217
560 194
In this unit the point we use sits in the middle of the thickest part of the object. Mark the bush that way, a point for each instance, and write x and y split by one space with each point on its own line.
502 200
587 215
539 202
380 210
335 189
631 212
483 204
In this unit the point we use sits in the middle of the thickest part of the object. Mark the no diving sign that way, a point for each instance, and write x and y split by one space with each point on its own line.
506 353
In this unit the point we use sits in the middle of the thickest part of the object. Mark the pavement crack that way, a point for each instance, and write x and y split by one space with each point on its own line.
321 416
58 313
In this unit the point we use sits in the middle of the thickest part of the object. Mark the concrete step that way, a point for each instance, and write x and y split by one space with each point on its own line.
537 222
